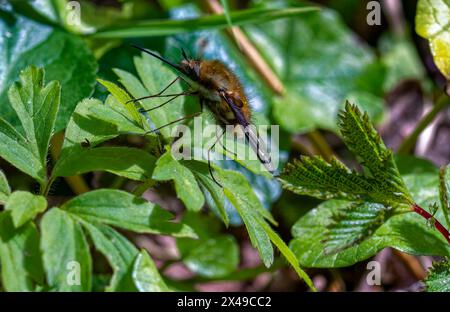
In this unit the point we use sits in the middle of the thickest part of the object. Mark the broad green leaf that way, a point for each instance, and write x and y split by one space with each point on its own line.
353 224
438 279
186 186
95 122
146 276
24 206
36 106
407 232
124 210
433 23
120 253
212 254
91 124
131 163
33 12
444 192
64 56
5 190
65 250
213 257
124 98
20 256
15 149
170 27
316 74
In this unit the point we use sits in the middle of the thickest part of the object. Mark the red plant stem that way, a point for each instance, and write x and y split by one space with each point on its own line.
437 224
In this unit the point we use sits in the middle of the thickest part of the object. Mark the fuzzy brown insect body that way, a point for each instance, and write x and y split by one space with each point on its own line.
220 89
220 86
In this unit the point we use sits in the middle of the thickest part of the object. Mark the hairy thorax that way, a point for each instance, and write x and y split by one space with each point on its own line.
216 78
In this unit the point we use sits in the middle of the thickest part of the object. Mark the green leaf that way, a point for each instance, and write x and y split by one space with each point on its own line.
444 192
316 74
31 11
94 122
212 192
120 253
407 232
116 160
362 139
240 194
438 279
433 23
5 190
213 257
380 181
14 149
186 186
315 177
36 107
124 98
29 99
170 27
66 256
123 210
64 56
212 254
24 206
20 257
353 224
237 191
288 254
146 276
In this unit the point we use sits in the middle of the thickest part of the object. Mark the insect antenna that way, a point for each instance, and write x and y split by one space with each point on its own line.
183 53
158 57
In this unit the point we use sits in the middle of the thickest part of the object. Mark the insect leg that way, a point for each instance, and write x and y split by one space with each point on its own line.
223 146
166 102
172 122
159 94
209 158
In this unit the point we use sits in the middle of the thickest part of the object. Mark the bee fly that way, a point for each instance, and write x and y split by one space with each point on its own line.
221 91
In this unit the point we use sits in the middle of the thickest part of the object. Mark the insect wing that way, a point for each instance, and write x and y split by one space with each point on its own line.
251 135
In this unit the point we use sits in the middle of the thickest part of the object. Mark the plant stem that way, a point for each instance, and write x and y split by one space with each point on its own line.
410 141
45 188
437 224
76 183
